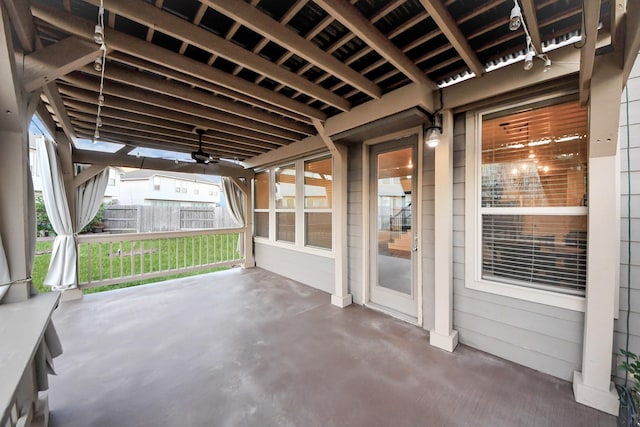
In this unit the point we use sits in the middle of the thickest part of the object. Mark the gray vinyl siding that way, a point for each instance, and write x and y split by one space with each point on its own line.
428 237
545 338
312 270
629 283
354 222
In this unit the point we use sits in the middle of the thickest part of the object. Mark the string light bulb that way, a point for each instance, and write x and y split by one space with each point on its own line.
528 60
515 19
98 35
547 63
97 64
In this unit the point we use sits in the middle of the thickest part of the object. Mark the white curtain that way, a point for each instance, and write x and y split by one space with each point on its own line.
235 205
89 197
5 278
62 268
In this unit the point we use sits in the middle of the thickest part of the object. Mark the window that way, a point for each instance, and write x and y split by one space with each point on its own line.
285 202
317 202
156 183
293 204
531 198
261 204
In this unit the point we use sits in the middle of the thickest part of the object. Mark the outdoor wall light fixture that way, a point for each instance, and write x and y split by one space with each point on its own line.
433 132
515 20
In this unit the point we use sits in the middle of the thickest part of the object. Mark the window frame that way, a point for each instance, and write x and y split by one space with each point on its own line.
299 211
473 216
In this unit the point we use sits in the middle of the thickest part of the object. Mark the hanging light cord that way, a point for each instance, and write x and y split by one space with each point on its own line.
103 62
530 46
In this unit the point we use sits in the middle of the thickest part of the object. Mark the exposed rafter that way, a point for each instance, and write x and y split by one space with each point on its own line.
351 18
155 54
83 100
22 23
178 91
174 26
448 25
49 63
267 27
202 84
124 160
591 11
123 92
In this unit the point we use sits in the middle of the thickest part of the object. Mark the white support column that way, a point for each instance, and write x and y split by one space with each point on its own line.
443 336
14 169
341 296
592 386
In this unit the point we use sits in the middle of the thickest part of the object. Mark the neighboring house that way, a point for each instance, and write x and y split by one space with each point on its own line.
160 188
111 193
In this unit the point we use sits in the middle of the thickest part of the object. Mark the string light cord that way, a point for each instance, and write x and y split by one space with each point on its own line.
100 65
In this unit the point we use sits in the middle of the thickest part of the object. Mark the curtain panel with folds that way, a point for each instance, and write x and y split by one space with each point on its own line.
62 272
235 206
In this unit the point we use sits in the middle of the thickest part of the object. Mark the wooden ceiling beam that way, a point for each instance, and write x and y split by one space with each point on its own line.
269 28
152 99
220 168
186 131
450 29
189 140
351 18
531 19
168 143
116 105
617 9
149 15
155 54
22 23
196 82
179 91
47 64
591 13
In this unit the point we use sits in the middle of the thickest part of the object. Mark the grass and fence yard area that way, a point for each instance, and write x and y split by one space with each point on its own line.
123 260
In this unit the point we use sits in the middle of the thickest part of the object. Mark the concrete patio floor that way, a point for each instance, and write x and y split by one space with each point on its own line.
251 348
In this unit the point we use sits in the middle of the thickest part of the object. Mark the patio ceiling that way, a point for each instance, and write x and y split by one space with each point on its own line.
257 74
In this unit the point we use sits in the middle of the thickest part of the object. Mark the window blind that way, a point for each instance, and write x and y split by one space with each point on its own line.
534 197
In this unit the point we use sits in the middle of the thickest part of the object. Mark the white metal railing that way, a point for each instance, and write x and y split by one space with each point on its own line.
107 259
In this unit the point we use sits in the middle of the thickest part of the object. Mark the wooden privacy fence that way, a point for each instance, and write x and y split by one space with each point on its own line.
145 219
121 258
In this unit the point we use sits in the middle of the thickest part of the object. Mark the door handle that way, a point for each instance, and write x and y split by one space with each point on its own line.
415 249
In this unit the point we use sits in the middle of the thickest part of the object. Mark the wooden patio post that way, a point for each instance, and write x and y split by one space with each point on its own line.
442 335
592 386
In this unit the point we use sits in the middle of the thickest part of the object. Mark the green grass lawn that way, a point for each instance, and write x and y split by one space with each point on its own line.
145 256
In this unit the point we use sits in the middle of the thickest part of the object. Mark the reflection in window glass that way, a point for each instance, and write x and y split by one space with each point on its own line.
318 196
262 224
285 198
286 226
261 190
286 187
531 159
261 202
